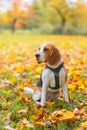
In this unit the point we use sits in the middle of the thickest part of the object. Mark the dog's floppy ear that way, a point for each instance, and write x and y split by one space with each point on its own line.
52 55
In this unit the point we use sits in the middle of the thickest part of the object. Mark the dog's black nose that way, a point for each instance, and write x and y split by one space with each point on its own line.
37 56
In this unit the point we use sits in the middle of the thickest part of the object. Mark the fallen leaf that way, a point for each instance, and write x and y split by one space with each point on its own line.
5 82
6 117
84 125
40 123
67 116
76 111
24 121
23 111
7 121
57 113
9 128
27 123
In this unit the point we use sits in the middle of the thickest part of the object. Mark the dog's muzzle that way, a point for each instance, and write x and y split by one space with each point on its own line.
37 57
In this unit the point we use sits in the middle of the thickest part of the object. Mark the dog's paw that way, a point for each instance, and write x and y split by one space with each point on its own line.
42 104
37 96
39 103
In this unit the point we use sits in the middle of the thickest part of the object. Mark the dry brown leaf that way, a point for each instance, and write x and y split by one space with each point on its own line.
24 121
23 111
27 123
76 111
57 113
77 117
5 82
9 128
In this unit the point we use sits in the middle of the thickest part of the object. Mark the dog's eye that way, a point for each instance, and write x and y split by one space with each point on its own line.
45 49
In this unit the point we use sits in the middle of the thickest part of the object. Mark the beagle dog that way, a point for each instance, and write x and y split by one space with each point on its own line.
53 76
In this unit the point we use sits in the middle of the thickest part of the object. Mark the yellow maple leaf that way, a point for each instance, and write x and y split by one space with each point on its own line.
19 69
21 86
6 116
84 124
82 87
13 79
72 87
7 92
68 116
77 72
40 123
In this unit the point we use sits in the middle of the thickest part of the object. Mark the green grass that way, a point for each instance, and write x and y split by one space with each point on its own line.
16 49
7 38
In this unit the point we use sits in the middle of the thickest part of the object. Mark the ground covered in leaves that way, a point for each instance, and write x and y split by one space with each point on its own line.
19 69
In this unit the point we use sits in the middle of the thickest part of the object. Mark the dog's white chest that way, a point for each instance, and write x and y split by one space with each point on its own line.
49 76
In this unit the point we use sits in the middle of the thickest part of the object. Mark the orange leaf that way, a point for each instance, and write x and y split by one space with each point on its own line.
84 124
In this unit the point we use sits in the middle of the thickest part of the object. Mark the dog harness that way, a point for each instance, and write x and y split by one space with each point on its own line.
56 75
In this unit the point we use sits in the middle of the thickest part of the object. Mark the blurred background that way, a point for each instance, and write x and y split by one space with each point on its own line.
67 17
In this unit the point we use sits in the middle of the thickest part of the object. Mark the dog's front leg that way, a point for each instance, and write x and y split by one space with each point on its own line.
44 93
65 92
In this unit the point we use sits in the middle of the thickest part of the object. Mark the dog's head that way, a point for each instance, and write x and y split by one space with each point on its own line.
48 53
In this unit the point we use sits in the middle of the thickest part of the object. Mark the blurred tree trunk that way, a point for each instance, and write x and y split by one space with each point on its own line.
63 20
13 28
17 14
63 11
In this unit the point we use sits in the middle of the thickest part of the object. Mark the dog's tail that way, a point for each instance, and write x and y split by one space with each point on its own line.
28 90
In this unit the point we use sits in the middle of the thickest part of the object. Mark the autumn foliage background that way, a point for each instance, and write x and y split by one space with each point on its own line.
23 27
44 16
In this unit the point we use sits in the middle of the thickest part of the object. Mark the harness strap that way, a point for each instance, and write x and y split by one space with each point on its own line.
56 75
56 70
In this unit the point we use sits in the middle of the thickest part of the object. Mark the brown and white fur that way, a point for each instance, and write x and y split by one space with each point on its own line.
50 54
